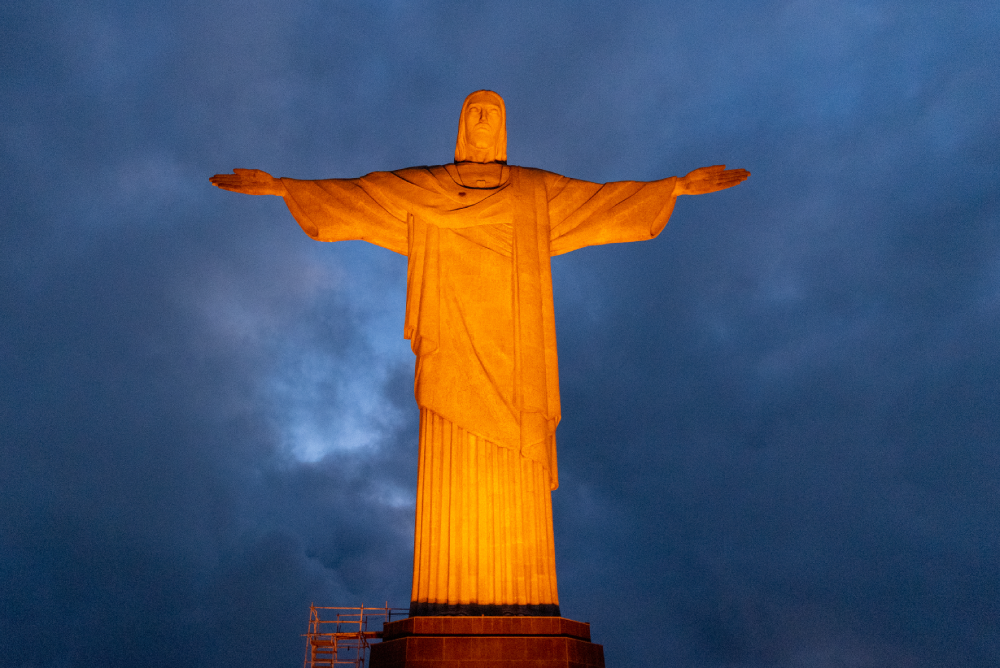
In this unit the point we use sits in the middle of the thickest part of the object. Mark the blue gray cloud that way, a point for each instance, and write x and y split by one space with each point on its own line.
779 438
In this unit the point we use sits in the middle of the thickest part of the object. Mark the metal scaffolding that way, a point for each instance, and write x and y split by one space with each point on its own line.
340 636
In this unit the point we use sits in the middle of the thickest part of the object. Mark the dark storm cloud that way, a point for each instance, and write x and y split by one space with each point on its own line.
779 438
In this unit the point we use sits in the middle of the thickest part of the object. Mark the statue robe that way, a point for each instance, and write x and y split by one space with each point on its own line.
480 320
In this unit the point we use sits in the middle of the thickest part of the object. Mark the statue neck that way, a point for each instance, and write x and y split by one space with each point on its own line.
479 174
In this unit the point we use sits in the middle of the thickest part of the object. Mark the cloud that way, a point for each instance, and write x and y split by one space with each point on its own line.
779 417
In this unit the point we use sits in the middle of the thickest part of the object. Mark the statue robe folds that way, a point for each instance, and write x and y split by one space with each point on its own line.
480 320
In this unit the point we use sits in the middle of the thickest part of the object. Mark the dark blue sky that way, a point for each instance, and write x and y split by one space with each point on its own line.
780 436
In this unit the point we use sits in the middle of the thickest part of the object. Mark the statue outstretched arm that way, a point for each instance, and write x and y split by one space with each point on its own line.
706 180
327 209
589 214
250 182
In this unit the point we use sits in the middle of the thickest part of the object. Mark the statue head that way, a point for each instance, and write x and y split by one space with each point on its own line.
482 129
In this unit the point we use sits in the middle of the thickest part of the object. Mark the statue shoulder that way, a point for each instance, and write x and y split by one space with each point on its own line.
539 176
550 181
530 172
424 176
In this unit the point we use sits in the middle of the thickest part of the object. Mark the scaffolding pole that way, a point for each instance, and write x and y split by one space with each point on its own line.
341 636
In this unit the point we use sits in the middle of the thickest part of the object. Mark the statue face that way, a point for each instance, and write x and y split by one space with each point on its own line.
482 135
482 124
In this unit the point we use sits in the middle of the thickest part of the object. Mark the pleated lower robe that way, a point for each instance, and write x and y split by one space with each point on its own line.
483 543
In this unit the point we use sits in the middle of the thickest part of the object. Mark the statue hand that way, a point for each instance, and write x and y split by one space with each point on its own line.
709 180
250 182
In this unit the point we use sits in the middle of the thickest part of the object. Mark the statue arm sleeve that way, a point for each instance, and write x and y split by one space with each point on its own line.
590 214
342 209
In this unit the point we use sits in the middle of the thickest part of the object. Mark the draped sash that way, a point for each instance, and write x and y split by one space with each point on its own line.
536 381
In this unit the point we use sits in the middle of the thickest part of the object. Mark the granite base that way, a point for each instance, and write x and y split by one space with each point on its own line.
486 642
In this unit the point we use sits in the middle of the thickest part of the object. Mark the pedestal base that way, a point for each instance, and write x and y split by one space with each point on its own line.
486 642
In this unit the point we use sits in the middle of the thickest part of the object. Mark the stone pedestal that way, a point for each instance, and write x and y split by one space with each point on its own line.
486 642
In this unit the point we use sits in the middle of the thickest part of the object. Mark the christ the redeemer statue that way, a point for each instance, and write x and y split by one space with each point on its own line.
478 235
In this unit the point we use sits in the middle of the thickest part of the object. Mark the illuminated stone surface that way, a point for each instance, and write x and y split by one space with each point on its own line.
486 642
478 235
